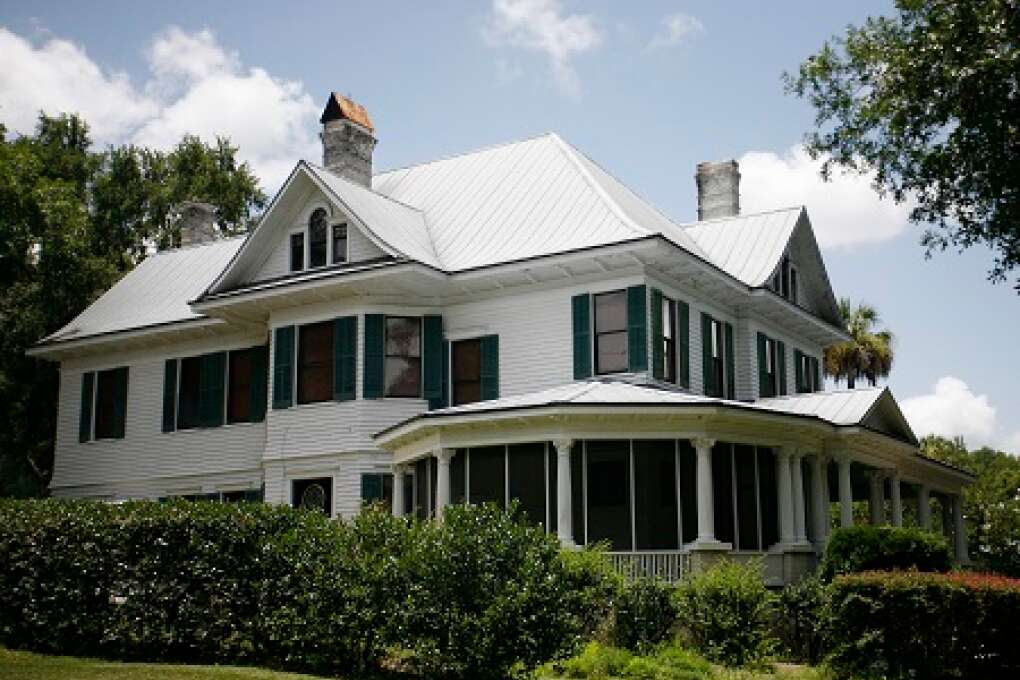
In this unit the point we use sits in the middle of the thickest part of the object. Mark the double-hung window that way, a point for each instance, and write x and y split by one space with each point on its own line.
669 332
611 332
467 371
211 389
717 360
403 356
103 404
315 363
239 401
339 243
768 368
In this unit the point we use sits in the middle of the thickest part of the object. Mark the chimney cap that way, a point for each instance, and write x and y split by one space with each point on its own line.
341 107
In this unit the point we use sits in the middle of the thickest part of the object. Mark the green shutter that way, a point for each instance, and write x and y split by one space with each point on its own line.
259 383
211 377
490 367
707 374
345 351
446 373
283 368
781 365
88 389
763 370
375 346
120 393
371 488
798 370
581 313
730 365
683 334
432 358
657 336
637 329
169 395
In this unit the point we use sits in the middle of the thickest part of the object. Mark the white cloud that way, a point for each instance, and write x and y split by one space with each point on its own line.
845 211
541 26
953 410
194 86
675 29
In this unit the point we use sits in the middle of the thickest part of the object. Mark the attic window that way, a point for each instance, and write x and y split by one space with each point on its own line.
339 243
785 280
318 225
297 252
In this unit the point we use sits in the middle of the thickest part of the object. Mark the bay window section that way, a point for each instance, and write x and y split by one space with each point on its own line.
315 363
318 224
403 357
611 332
467 371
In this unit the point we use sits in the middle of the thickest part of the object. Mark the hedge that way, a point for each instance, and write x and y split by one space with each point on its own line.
883 548
478 596
924 625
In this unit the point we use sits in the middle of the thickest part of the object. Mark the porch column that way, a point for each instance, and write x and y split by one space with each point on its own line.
876 500
706 504
959 531
799 521
846 501
564 502
819 508
924 507
443 457
398 490
894 496
784 489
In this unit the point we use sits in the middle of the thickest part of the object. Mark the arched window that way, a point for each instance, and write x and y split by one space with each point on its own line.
318 225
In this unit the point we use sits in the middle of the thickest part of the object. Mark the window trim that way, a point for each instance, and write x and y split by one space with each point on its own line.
595 334
304 230
387 355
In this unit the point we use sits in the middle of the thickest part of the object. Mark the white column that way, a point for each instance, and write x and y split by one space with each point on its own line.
398 490
924 507
443 457
784 492
706 504
564 502
894 496
846 501
876 499
797 481
959 531
819 508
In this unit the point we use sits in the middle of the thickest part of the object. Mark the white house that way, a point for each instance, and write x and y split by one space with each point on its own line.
511 323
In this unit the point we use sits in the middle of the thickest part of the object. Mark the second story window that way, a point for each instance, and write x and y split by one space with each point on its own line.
297 252
767 377
714 384
339 243
467 371
611 332
239 386
318 226
668 340
403 356
315 363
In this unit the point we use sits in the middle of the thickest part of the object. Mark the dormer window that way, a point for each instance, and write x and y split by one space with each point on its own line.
339 243
318 225
785 280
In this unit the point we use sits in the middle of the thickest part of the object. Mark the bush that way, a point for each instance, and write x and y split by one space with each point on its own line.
924 625
595 588
645 614
797 617
881 548
602 662
725 613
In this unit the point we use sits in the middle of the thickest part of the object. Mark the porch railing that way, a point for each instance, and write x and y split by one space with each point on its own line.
663 565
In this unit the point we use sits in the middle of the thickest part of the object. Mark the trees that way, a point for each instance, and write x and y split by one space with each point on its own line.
868 353
930 101
72 221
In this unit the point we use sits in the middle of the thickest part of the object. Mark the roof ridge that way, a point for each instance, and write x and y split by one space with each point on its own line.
490 147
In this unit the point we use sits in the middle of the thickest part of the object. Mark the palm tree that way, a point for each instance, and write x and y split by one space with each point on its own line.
868 353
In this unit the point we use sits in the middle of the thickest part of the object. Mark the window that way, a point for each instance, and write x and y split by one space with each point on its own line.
313 494
339 243
768 373
315 363
808 378
297 252
611 332
211 389
467 371
189 394
785 280
403 356
318 225
793 285
377 487
110 403
239 386
716 359
668 340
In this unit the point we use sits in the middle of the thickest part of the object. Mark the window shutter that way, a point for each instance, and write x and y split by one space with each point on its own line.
432 358
731 374
707 374
211 389
283 368
763 370
781 365
490 367
798 370
581 308
683 332
88 388
371 487
446 373
120 382
345 350
637 329
259 379
169 395
375 341
657 335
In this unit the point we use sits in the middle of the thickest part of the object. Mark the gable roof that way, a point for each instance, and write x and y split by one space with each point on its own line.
747 247
874 408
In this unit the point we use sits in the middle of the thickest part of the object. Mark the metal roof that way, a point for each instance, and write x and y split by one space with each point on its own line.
840 407
155 292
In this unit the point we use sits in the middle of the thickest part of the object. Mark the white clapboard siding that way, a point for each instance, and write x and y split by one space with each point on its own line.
792 343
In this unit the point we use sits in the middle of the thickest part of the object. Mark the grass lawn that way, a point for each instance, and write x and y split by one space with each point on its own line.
27 666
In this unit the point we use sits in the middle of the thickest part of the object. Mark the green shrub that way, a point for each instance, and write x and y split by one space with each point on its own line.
797 618
725 613
603 662
595 588
645 614
924 625
882 548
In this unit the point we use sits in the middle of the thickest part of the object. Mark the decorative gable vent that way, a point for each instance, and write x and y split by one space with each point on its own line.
347 139
718 189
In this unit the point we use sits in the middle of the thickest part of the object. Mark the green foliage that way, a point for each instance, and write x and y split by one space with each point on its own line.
645 614
991 505
927 100
725 613
871 548
72 221
868 353
797 618
923 625
596 587
602 662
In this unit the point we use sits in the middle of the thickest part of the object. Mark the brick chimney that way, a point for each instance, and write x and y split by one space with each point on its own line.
347 139
198 222
718 189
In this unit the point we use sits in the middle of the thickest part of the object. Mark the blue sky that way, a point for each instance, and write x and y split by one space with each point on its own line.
646 89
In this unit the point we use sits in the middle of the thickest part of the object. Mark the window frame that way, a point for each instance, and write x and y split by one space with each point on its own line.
453 371
330 361
332 243
229 386
718 362
387 356
111 374
304 250
771 366
597 335
178 424
326 235
669 338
